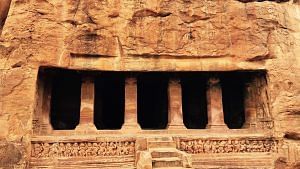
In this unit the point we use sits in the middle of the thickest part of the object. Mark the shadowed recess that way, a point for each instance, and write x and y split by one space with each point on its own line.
194 102
233 92
65 100
109 101
152 100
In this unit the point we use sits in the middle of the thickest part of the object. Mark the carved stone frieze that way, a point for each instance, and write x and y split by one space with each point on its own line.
198 146
82 149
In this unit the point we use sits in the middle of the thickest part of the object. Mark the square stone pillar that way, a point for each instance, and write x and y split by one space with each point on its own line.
175 105
214 104
45 96
131 120
250 107
87 105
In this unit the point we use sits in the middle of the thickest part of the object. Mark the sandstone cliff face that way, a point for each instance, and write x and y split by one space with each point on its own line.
147 35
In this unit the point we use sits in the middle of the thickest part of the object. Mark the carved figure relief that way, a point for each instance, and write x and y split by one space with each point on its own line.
198 146
82 149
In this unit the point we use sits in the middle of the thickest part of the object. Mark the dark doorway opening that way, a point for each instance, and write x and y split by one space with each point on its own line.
194 104
233 95
65 100
109 101
152 100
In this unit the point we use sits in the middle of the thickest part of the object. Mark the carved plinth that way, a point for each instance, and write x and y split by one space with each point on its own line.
175 105
214 104
130 121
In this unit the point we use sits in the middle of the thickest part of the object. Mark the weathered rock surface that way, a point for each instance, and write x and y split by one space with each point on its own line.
10 155
148 35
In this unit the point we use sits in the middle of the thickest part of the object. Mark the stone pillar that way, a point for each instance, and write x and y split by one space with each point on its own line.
45 96
131 121
87 105
175 105
214 104
250 107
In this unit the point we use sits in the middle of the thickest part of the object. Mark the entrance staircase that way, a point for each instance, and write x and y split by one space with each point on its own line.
162 153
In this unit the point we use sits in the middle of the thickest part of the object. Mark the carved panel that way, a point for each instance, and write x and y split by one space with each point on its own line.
35 125
197 146
82 149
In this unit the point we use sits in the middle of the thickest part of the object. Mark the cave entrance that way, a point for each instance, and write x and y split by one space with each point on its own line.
109 101
61 96
152 99
65 100
194 103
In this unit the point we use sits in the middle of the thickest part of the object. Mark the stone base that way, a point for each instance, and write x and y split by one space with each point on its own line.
134 126
217 126
86 127
176 126
249 126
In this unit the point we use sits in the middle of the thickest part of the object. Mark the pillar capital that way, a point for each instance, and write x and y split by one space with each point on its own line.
87 79
130 80
213 81
174 81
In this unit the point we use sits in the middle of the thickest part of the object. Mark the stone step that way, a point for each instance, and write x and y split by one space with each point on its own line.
164 152
167 162
161 144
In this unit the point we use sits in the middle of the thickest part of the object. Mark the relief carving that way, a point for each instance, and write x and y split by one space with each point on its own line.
82 149
198 146
35 125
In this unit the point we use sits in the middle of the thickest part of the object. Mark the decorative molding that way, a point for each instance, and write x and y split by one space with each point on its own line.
199 146
82 149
